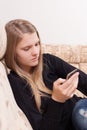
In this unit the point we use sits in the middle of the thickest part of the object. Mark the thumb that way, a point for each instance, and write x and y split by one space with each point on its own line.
60 81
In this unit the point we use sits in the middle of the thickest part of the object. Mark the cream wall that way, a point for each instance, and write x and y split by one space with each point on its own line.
58 21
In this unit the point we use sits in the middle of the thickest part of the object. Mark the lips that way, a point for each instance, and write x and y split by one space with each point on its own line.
34 59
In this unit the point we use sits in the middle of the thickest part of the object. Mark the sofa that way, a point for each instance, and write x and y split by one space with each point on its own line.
76 55
11 117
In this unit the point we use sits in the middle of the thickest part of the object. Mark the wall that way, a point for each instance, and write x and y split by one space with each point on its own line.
58 21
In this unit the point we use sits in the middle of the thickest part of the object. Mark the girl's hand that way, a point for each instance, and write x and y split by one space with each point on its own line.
64 89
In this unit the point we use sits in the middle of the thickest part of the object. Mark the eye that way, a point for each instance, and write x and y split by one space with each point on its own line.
26 48
37 44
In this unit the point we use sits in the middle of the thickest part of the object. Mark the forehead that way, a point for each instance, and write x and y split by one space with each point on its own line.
28 39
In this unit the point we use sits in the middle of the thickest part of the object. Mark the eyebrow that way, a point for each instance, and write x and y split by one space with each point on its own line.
30 44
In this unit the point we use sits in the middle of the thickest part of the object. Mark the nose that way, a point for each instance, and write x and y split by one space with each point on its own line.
35 50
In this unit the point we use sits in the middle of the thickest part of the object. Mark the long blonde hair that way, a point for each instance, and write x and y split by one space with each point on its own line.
15 30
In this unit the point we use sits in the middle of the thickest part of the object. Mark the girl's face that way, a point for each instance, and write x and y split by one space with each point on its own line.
27 51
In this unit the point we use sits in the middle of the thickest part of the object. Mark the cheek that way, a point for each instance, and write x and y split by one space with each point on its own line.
21 60
20 57
39 49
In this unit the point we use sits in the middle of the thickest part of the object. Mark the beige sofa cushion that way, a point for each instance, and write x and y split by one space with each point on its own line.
11 117
2 40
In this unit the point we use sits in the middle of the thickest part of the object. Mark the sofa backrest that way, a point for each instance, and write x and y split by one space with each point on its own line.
76 55
11 117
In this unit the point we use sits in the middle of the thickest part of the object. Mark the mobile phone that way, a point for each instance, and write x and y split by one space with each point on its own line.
71 73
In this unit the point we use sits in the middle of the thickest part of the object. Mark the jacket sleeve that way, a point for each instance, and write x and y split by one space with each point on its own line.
62 68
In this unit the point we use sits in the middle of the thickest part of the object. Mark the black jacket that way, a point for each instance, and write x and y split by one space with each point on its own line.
55 115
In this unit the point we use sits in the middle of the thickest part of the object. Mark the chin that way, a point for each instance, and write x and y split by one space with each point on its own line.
35 64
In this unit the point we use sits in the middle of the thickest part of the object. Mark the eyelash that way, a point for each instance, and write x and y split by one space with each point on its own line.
37 44
26 49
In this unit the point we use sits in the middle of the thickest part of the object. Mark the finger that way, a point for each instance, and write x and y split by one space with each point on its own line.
70 80
71 95
72 88
59 81
74 76
72 91
73 85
